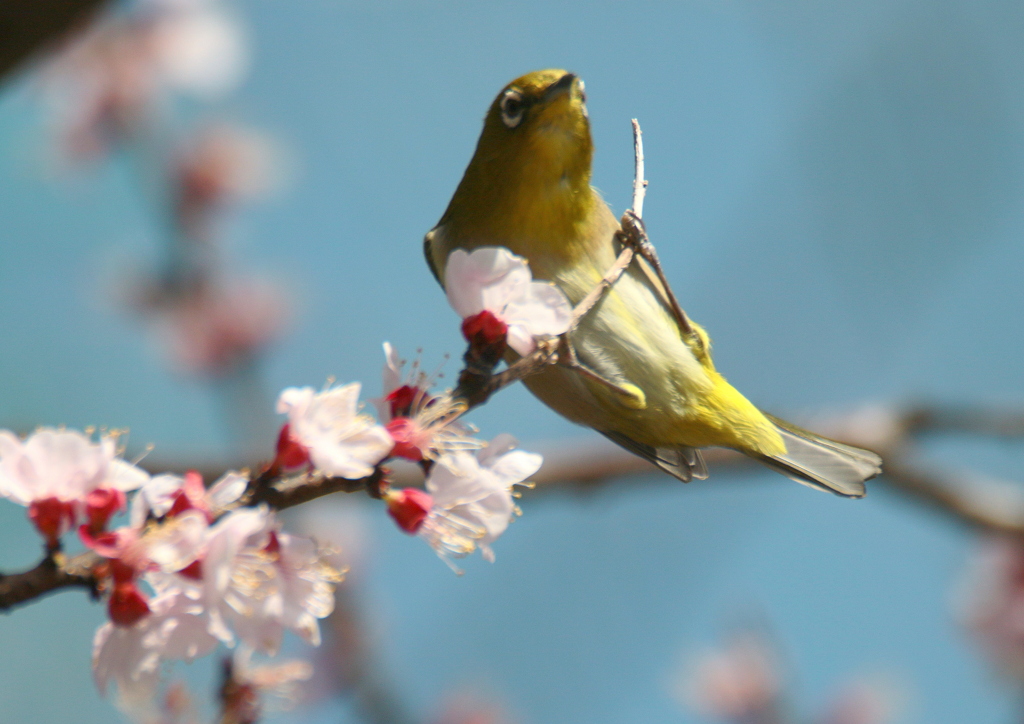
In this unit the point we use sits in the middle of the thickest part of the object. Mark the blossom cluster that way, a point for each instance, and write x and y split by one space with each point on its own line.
192 568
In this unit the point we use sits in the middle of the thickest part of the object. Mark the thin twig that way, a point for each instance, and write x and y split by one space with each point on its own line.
635 235
639 182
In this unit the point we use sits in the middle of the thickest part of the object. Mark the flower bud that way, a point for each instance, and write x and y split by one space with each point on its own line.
404 431
291 453
402 398
100 505
127 606
484 329
52 517
409 507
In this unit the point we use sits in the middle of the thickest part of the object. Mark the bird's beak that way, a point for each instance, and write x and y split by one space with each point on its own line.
562 85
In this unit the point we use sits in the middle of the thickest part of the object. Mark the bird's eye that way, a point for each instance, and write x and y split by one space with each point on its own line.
512 107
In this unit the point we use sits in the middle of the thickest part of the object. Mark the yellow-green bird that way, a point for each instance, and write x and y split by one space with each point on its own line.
528 188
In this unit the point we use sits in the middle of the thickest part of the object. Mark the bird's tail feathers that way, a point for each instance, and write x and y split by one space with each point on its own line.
684 463
821 463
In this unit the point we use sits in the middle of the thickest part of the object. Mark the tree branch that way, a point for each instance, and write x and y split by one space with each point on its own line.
47 577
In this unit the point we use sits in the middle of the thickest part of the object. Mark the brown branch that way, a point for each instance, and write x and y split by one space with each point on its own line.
280 494
49 576
575 466
966 419
478 381
28 27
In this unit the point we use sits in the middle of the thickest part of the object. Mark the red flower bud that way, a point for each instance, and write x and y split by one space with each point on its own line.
410 507
403 431
290 452
121 572
192 496
484 329
52 517
401 399
127 606
100 506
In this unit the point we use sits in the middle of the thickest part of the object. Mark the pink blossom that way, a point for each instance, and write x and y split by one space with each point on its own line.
492 279
472 498
259 581
54 472
341 441
130 656
423 425
171 494
991 604
741 682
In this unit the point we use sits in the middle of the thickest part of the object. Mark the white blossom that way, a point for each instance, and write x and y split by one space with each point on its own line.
159 494
498 281
259 581
131 656
472 497
63 464
340 440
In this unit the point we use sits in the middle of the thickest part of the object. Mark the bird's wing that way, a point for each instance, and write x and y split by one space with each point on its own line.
684 463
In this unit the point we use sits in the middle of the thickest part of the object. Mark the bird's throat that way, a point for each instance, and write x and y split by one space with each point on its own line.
538 210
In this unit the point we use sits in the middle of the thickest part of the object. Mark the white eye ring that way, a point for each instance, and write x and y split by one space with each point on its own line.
512 108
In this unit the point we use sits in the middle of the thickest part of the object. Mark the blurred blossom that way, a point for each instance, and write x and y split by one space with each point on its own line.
214 329
56 474
220 164
469 709
248 688
991 604
868 701
198 48
177 707
107 80
740 682
340 528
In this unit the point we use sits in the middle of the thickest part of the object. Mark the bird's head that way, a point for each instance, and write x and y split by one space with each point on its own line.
540 118
532 162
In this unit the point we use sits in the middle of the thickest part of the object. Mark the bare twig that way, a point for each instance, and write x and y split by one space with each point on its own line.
639 182
635 235
477 382
966 419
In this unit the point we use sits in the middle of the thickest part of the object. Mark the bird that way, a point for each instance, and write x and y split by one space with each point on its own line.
651 389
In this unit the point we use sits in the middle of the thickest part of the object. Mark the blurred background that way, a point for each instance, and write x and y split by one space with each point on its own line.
836 191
